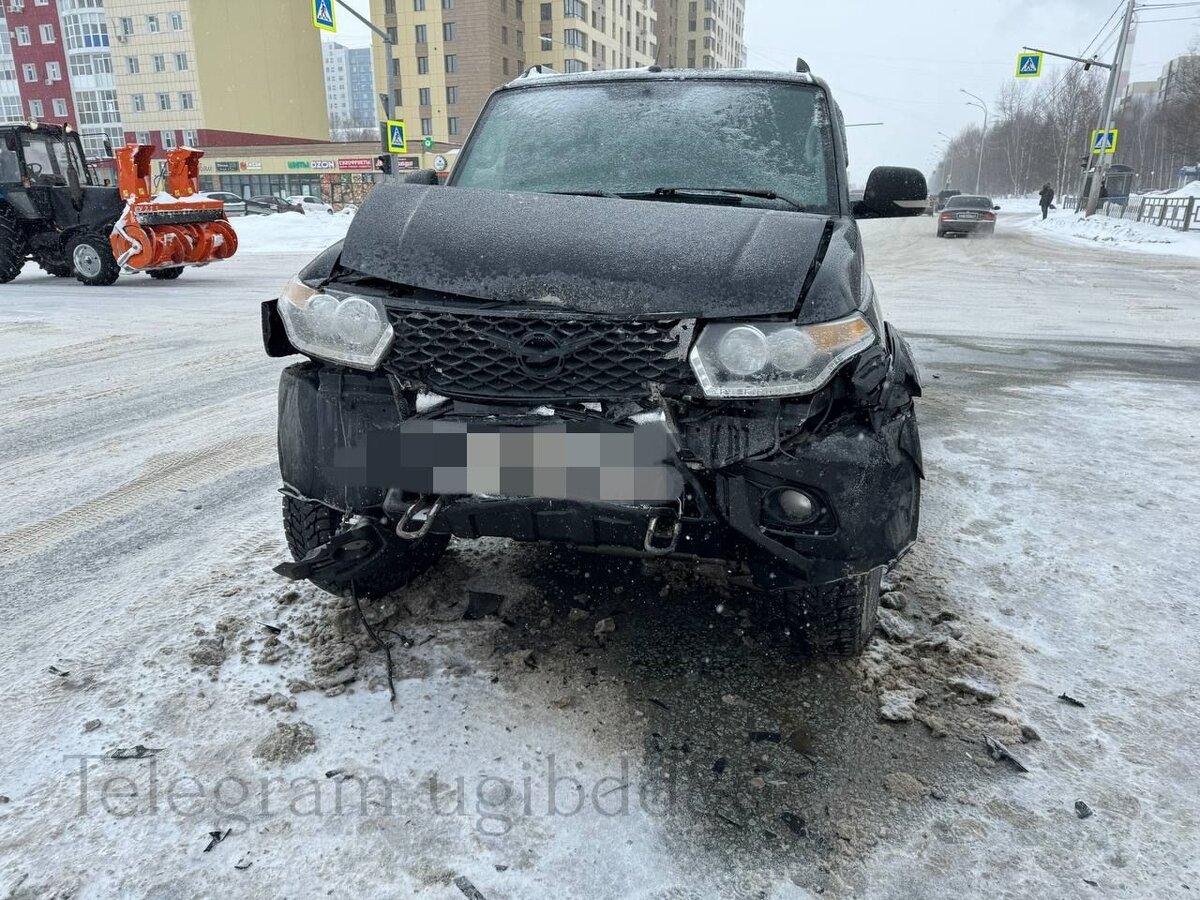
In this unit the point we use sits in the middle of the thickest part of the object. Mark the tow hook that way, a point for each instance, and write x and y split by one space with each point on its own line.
427 504
342 556
662 535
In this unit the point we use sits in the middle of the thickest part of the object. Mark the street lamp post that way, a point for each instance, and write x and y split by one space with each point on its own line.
983 139
948 182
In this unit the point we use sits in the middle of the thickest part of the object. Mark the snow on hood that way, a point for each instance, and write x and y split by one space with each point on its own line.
586 254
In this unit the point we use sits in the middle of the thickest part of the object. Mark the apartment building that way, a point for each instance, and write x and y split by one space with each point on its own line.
702 34
217 72
450 54
349 87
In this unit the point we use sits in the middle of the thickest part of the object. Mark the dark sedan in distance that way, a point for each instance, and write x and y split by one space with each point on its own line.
967 214
265 206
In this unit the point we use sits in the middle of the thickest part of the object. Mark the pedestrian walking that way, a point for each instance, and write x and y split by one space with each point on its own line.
1047 198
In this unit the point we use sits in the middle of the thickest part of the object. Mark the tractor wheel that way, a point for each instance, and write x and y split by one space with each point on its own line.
57 268
12 246
93 261
166 274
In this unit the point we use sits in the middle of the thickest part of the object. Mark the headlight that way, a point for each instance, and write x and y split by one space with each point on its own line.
343 329
775 359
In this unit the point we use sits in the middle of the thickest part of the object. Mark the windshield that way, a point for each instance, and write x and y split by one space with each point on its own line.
49 158
636 136
969 203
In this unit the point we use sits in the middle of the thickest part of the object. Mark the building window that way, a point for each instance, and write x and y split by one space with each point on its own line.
53 71
22 33
389 7
520 40
451 63
29 70
504 34
47 33
504 7
547 12
164 101
125 26
451 95
424 97
426 127
159 62
574 9
398 100
60 107
191 138
504 65
573 37
141 137
181 62
418 5
447 4
36 110
152 25
168 140
422 65
452 125
176 22
187 101
574 65
519 9
132 66
422 34
447 31
139 104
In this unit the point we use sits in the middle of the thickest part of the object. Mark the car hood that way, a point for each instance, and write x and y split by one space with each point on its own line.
587 254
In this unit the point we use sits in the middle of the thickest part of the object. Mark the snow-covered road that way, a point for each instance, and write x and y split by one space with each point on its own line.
691 754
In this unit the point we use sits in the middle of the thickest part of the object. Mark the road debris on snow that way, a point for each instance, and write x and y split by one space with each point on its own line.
137 752
1071 701
286 743
215 837
1000 752
1082 809
463 883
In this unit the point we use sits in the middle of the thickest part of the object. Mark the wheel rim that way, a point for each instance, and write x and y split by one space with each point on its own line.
87 261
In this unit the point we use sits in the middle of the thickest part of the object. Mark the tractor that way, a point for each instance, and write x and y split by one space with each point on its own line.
53 212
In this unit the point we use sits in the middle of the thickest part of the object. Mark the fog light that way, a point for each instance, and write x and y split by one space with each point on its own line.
796 505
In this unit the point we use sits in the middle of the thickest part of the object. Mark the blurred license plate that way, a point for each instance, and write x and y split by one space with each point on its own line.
968 215
583 461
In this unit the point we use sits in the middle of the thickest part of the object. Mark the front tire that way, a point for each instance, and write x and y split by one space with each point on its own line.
166 274
309 525
836 619
92 259
12 246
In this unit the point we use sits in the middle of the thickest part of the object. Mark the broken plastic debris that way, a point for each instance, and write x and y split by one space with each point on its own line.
463 883
1067 698
1000 752
1082 809
215 837
137 752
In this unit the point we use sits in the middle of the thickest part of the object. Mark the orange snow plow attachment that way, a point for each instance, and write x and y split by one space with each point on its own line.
172 229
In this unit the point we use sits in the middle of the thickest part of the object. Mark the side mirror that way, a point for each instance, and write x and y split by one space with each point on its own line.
422 176
892 192
996 208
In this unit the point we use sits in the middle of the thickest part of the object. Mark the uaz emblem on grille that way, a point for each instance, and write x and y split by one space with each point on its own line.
540 353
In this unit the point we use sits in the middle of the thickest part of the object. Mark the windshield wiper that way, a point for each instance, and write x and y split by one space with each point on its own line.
607 194
741 192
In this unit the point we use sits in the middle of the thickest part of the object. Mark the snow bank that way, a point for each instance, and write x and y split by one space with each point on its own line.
1191 189
290 232
1119 234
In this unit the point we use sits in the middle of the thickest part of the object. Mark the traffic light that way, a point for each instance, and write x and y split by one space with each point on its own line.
383 163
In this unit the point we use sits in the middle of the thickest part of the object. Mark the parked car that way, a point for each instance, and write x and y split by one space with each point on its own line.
263 206
668 354
234 205
310 204
967 214
944 196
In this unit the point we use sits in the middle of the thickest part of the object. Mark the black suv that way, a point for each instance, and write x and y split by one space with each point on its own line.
636 317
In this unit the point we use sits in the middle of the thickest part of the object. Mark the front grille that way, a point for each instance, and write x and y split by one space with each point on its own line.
511 357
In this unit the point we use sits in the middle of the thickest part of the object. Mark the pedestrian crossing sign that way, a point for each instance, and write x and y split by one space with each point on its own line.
323 15
1104 141
1029 65
397 139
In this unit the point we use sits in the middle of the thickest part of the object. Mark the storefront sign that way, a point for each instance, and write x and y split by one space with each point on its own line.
228 167
356 164
408 162
297 164
322 164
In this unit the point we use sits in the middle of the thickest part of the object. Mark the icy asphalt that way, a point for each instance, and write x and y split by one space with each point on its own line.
689 753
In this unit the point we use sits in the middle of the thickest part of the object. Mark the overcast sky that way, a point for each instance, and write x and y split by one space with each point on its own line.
902 62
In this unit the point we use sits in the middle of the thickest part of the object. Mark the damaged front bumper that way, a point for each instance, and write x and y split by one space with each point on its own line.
828 486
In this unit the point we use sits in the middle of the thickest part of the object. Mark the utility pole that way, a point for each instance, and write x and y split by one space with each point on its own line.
983 139
1110 99
390 109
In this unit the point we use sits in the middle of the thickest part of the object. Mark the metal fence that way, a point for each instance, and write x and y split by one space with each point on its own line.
1180 213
